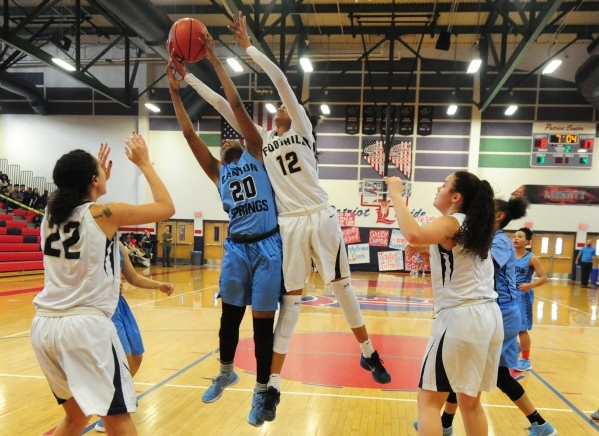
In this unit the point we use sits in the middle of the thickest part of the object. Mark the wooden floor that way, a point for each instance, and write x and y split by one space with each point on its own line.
181 339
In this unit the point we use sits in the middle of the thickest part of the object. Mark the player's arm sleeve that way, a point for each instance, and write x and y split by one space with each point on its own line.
217 101
299 119
500 251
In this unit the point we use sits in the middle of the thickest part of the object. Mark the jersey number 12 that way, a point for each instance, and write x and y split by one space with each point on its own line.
291 163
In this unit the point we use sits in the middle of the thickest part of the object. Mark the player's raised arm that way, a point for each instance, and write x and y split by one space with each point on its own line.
296 111
253 140
200 150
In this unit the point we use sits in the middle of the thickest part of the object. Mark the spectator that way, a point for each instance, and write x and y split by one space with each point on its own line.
585 260
34 197
17 195
147 244
4 180
26 195
42 201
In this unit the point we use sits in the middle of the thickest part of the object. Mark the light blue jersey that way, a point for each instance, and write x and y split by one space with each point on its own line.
504 261
524 273
247 196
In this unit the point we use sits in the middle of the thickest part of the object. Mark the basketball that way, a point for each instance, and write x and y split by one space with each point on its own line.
186 40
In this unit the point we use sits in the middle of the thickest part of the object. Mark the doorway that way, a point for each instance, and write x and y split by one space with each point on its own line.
182 231
215 233
555 251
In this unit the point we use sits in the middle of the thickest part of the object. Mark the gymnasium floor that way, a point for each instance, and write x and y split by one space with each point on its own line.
325 392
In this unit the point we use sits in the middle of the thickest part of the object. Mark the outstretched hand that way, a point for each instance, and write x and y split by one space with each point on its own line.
174 82
103 157
240 31
137 150
394 184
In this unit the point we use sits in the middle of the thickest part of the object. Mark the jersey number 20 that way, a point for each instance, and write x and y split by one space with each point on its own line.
73 227
246 188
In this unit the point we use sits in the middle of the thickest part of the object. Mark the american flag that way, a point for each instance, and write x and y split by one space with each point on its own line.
373 153
401 156
227 131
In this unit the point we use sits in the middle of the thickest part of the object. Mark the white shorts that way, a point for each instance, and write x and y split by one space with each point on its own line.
314 236
82 357
463 352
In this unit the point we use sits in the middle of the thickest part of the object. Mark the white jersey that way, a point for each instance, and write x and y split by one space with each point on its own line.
459 278
81 266
291 167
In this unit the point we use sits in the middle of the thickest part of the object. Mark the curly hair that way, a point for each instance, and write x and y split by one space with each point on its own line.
476 233
527 233
315 120
72 175
513 209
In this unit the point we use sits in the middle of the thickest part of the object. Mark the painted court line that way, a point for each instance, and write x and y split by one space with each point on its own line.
15 334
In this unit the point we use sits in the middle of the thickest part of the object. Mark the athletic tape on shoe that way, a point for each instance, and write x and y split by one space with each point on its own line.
285 326
350 306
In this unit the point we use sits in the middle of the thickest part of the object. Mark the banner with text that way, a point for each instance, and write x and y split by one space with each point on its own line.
559 195
352 119
390 260
378 238
358 253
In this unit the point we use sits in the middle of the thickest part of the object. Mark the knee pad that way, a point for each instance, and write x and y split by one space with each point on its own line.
508 385
288 316
350 307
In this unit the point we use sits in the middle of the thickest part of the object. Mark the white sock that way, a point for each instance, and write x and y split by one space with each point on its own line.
260 387
275 381
367 349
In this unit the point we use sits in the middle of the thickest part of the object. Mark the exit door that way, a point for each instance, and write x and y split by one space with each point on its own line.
555 251
215 233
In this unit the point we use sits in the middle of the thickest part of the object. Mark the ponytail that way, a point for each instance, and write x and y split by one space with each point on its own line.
476 233
513 209
72 175
315 120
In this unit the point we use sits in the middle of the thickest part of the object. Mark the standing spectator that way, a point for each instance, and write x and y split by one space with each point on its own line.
585 259
167 240
147 244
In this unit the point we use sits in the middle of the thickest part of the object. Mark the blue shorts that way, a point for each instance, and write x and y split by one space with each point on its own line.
525 302
252 274
511 328
127 328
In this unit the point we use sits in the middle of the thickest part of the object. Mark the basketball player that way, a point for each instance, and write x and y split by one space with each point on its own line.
251 270
526 264
309 225
124 321
74 339
463 352
504 263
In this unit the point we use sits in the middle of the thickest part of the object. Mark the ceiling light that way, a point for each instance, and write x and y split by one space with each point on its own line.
511 109
152 107
474 66
306 65
452 109
270 108
235 65
552 66
324 108
62 64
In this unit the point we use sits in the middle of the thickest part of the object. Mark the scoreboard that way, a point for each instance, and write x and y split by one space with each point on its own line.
563 145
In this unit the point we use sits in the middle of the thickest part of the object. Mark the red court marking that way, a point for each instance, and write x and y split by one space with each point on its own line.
333 359
50 432
20 291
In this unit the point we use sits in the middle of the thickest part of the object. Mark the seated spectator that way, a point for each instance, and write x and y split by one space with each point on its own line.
17 195
42 201
132 241
147 244
9 193
4 180
26 195
33 198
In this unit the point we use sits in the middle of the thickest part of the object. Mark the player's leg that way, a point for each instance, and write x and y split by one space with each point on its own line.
328 252
119 425
74 421
473 415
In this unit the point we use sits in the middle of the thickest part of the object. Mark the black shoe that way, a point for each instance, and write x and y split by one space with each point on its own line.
268 411
375 365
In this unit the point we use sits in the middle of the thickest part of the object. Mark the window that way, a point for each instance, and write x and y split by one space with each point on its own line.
559 246
216 234
544 245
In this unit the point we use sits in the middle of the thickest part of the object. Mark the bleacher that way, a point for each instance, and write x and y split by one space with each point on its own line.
20 250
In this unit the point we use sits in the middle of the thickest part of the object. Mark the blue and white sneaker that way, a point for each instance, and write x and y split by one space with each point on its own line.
100 426
257 402
541 430
446 431
219 383
523 365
